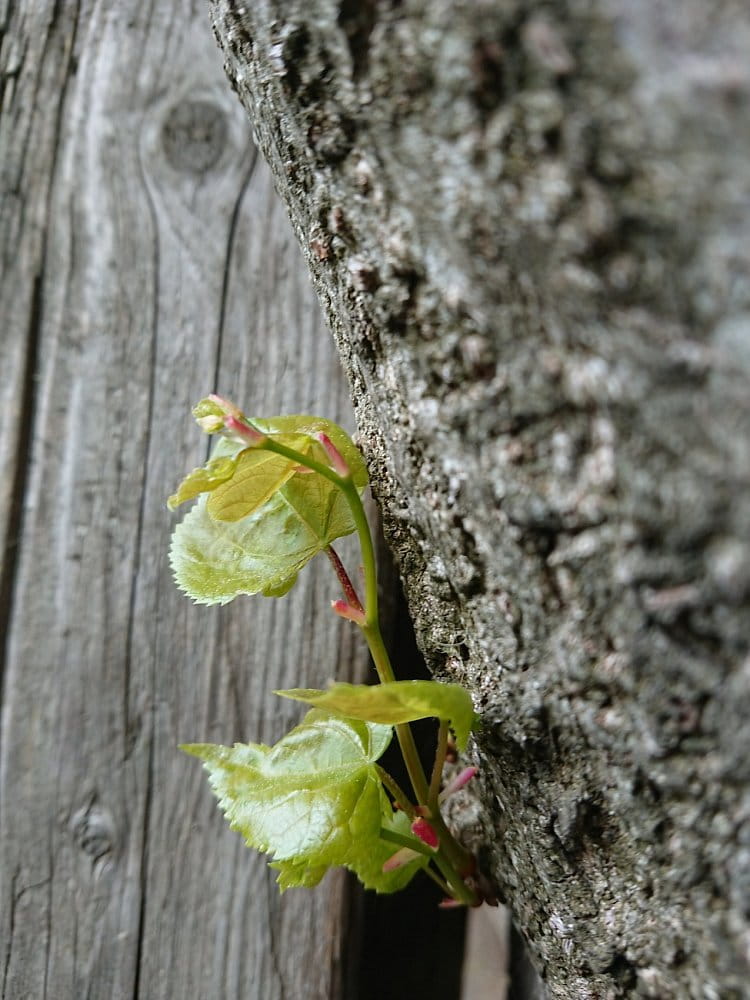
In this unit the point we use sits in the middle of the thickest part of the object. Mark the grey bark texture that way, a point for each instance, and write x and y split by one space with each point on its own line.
529 226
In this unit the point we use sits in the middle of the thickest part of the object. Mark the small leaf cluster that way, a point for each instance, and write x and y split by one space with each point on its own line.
273 494
260 516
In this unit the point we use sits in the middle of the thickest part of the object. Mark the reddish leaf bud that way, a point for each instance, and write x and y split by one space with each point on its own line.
457 783
338 463
345 610
211 413
246 434
426 833
402 857
228 408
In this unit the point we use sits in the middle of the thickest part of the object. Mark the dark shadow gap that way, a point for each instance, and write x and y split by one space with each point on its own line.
408 948
524 982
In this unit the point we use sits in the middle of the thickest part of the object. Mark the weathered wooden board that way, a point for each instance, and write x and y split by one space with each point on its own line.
145 261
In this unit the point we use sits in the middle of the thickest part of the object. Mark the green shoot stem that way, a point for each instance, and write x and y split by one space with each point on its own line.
451 858
403 731
458 888
349 488
397 792
412 843
368 556
458 858
371 628
270 444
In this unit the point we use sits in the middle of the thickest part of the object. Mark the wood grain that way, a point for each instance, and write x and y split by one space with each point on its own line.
145 261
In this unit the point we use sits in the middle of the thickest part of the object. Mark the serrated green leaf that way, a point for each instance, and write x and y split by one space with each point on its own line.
366 860
202 480
311 799
297 874
214 560
369 852
396 702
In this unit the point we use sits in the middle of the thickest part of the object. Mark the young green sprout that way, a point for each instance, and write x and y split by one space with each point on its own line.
274 494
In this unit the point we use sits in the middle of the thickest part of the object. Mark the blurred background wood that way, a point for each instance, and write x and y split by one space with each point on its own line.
486 960
146 261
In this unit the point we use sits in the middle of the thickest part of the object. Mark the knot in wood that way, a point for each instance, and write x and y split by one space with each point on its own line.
93 831
194 135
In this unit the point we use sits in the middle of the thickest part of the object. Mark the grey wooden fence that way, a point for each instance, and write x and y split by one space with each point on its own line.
146 261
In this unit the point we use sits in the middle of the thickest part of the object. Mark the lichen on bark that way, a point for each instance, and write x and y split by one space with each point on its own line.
529 229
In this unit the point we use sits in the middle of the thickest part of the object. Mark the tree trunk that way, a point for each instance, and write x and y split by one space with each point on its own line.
529 228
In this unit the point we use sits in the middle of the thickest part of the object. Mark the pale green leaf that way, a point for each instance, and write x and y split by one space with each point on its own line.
257 476
297 874
208 477
396 702
310 799
283 588
367 859
215 560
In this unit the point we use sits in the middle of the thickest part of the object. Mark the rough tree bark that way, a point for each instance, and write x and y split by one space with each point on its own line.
529 228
